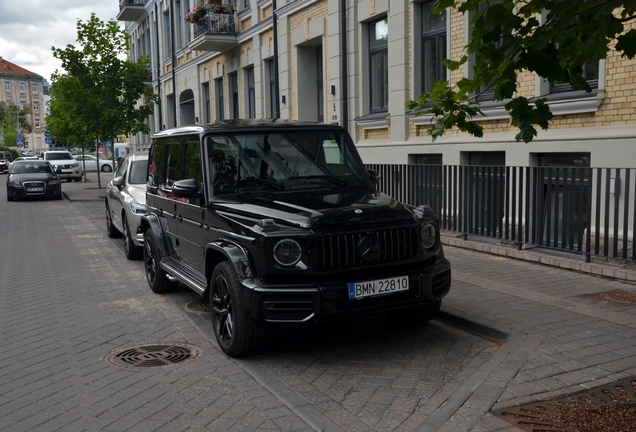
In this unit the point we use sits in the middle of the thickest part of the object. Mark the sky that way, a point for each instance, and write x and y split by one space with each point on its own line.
29 28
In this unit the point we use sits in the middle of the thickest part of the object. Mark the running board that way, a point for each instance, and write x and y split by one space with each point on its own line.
175 273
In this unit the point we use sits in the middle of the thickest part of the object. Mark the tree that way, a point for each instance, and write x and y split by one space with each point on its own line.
101 94
10 120
551 38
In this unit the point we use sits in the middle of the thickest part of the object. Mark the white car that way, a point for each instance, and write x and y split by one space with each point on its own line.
126 202
63 159
90 161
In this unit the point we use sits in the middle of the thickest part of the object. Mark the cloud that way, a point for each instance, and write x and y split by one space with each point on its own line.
29 28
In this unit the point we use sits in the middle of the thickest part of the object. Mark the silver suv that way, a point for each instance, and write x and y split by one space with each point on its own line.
62 159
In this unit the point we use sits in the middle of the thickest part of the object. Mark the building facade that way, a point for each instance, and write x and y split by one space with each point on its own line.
357 63
19 86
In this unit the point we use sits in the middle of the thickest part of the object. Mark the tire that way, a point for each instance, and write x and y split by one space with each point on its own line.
156 276
236 332
132 251
58 197
106 168
415 315
77 179
111 231
9 198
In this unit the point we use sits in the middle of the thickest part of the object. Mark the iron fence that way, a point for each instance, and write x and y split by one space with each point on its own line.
580 210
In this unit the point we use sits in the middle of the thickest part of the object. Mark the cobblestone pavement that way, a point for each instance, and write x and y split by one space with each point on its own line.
68 297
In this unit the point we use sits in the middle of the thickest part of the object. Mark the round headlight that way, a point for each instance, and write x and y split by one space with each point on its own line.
287 252
429 236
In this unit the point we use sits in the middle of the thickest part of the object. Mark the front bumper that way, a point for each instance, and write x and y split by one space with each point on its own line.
20 192
284 303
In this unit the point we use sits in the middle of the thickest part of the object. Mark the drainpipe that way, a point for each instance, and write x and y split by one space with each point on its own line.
158 59
276 79
174 62
344 72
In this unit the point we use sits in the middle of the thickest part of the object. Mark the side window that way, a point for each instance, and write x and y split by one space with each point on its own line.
121 169
193 169
174 164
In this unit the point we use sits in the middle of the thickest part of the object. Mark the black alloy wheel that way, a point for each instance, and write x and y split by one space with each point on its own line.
156 276
111 231
236 332
132 251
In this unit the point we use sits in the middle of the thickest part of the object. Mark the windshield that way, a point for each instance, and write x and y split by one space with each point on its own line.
58 156
138 172
281 161
32 168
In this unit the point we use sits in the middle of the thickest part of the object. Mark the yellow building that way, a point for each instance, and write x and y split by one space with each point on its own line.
357 63
19 86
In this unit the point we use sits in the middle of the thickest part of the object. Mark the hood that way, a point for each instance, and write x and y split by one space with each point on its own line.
313 209
138 192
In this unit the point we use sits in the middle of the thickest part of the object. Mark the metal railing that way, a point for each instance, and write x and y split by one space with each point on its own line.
582 210
217 23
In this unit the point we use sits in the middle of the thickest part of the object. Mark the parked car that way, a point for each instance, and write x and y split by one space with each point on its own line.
23 158
33 179
5 161
71 169
90 163
126 202
280 222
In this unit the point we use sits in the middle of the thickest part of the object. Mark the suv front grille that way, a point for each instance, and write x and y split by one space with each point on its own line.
339 251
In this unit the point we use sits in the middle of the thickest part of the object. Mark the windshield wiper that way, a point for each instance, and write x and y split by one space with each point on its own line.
245 184
334 180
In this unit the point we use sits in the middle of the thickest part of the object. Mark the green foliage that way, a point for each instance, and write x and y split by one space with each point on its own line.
97 94
509 38
9 121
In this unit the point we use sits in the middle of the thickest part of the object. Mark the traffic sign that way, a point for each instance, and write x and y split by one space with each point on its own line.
47 134
109 144
19 143
19 137
48 141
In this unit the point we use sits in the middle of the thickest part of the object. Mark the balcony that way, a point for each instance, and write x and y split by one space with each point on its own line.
131 10
216 32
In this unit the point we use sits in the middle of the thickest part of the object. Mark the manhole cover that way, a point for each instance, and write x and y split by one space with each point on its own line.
147 356
608 408
618 298
200 305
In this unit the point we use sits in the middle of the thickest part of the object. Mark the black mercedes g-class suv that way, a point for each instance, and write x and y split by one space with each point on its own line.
277 221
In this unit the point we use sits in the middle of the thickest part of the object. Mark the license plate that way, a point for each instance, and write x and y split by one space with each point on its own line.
378 287
35 190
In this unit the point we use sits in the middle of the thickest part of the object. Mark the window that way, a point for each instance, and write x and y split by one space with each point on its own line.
205 92
378 55
246 4
36 106
21 87
251 93
320 85
487 158
174 164
178 40
234 95
37 124
7 85
590 73
34 88
271 91
220 101
428 159
167 40
433 46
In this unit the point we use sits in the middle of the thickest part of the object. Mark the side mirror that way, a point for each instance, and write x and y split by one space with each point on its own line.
118 181
374 176
185 188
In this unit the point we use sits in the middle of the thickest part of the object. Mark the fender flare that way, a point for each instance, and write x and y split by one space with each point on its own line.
159 231
233 253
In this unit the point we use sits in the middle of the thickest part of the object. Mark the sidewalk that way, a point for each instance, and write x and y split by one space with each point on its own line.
548 326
